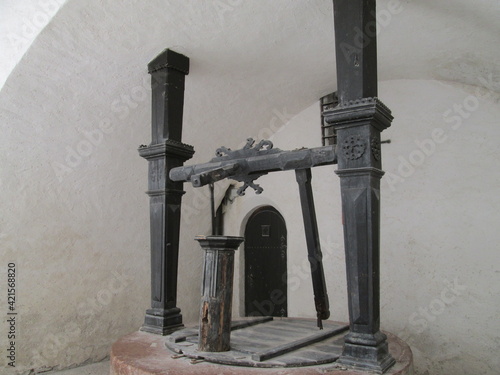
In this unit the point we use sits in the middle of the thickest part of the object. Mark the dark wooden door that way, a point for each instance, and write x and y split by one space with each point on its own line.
265 264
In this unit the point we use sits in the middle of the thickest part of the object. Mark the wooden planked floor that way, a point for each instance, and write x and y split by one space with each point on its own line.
280 342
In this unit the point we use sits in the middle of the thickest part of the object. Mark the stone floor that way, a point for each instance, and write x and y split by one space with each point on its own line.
101 368
140 353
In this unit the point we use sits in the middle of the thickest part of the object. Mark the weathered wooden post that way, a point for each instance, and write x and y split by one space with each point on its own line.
217 292
168 71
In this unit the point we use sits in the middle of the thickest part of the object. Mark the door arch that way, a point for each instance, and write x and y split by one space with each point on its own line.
265 264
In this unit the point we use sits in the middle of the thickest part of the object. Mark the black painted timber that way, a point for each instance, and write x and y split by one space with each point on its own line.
294 345
357 123
166 151
356 49
314 255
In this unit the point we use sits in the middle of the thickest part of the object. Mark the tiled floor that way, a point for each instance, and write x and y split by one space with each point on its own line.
101 368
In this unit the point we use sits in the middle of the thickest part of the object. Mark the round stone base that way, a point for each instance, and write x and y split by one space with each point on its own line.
142 353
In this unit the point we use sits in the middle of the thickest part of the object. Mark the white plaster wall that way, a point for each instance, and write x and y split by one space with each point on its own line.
76 106
440 219
20 23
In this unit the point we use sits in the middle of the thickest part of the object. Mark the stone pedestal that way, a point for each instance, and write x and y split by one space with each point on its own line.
142 353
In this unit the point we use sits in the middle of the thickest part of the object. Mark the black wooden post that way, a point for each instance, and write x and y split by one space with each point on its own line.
358 121
304 177
358 128
217 292
168 71
355 49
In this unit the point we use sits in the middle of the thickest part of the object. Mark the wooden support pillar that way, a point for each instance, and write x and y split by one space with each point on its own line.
358 121
358 128
314 255
355 49
166 151
217 292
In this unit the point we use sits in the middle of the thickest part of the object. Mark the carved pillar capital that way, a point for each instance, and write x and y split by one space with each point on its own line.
358 125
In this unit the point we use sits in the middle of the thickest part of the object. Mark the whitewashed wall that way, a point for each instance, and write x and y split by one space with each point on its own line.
76 105
20 24
440 220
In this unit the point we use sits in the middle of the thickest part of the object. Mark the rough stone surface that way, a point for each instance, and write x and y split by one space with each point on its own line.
142 353
100 368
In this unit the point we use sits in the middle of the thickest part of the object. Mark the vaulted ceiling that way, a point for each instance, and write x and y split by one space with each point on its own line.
249 59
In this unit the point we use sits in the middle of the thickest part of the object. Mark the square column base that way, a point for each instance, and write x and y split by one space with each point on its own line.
162 322
372 357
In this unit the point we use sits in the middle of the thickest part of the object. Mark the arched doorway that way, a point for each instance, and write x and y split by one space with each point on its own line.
265 264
